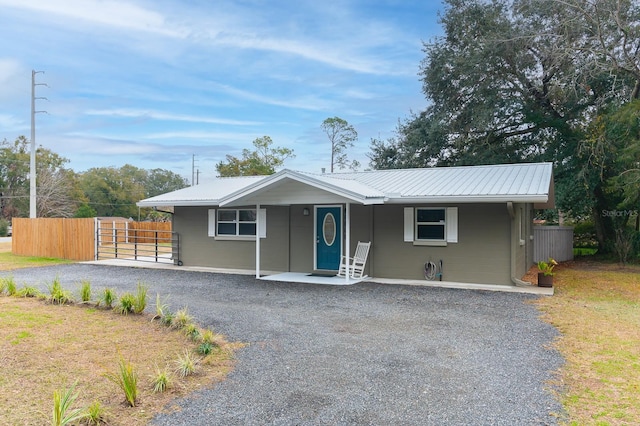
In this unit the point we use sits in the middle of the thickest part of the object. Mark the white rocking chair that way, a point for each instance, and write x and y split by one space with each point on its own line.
356 263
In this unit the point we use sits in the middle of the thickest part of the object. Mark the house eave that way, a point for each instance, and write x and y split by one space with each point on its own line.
465 199
184 203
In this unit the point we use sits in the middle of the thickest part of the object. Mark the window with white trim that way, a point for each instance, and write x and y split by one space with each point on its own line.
236 223
431 224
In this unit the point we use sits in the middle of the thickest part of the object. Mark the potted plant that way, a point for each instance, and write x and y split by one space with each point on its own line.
545 276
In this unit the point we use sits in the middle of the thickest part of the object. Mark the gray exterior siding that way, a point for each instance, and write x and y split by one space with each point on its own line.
522 241
301 239
481 255
198 249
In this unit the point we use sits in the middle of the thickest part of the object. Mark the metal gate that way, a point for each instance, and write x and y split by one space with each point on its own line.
119 240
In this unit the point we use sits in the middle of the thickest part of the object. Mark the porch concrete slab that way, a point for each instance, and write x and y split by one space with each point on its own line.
525 289
306 278
299 277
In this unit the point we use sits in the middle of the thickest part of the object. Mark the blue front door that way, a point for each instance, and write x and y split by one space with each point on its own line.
328 238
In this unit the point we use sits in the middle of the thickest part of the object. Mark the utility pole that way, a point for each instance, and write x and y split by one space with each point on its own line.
193 169
32 165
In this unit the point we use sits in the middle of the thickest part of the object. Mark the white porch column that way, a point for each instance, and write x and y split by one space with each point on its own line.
347 238
258 241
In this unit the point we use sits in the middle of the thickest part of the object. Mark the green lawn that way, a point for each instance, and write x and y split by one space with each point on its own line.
596 307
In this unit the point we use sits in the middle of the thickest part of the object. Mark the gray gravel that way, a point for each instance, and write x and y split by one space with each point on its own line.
365 354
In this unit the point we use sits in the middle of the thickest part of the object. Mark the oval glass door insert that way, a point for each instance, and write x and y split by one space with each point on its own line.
329 229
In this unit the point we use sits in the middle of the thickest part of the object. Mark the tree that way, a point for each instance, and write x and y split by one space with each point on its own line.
525 80
111 191
262 161
161 181
55 183
342 135
54 193
85 210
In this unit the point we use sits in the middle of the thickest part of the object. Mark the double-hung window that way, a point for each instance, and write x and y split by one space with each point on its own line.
236 222
431 224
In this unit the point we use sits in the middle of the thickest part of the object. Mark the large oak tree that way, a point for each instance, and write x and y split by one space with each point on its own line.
529 80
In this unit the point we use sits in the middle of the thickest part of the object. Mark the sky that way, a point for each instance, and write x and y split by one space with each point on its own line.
159 83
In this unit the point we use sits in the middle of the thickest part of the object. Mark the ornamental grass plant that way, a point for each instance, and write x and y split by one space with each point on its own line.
126 377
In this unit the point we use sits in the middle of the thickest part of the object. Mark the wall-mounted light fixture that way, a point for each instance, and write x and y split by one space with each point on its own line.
305 212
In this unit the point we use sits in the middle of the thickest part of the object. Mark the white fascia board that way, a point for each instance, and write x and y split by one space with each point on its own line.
304 179
178 203
253 188
459 199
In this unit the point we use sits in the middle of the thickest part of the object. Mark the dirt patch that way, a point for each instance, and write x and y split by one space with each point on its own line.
5 247
45 347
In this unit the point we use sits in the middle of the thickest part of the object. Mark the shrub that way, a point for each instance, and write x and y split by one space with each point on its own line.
182 318
191 330
205 348
4 227
161 308
8 285
11 286
28 291
140 299
127 379
57 295
186 364
127 302
161 381
108 297
207 336
85 291
96 413
167 319
212 339
62 413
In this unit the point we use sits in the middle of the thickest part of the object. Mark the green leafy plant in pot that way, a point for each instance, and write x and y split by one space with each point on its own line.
545 276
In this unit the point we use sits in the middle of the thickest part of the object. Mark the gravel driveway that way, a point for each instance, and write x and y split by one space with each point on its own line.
365 354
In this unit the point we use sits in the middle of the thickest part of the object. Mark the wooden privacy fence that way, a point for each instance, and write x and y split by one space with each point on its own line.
552 241
75 239
72 239
124 231
150 232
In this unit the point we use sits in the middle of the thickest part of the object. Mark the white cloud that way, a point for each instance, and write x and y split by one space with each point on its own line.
11 122
9 68
112 13
226 30
13 79
157 115
203 135
325 53
307 103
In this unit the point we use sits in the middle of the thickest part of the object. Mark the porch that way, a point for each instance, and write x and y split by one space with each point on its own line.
309 278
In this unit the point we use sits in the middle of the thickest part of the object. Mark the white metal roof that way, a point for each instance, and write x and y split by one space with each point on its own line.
505 182
205 194
527 182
